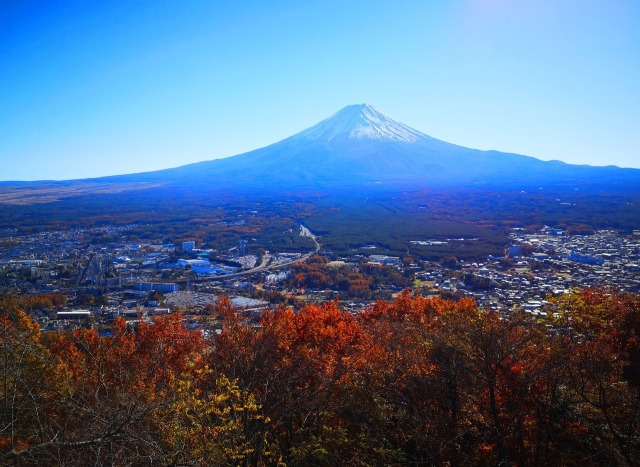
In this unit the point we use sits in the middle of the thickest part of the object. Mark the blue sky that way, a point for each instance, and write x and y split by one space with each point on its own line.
100 88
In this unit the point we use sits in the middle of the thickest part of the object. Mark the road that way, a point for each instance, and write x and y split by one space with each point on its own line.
264 264
305 232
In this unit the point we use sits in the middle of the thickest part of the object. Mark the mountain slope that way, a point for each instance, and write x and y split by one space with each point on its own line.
360 145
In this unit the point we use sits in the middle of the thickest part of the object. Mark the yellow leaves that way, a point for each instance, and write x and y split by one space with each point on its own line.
598 313
418 380
32 380
212 423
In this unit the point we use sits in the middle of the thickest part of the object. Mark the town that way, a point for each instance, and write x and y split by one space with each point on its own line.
137 280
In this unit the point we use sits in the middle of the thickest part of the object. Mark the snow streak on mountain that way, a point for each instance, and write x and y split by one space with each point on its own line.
361 122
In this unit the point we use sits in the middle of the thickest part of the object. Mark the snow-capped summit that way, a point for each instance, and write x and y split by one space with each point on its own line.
360 146
361 122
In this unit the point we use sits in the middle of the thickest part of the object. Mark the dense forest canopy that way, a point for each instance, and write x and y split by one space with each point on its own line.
412 381
388 217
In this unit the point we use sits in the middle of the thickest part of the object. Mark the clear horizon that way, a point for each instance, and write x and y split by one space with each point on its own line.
90 90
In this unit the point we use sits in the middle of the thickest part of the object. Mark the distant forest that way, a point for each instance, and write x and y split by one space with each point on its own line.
389 218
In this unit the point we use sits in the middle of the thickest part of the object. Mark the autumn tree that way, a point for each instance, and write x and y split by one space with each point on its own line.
603 369
412 381
30 386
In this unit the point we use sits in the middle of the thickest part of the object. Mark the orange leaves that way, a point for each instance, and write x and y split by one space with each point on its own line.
418 380
319 336
128 360
31 379
407 307
117 384
11 303
167 340
608 317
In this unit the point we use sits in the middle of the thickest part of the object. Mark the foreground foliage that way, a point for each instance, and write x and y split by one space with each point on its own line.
414 381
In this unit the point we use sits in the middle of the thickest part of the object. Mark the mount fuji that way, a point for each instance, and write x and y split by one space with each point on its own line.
361 145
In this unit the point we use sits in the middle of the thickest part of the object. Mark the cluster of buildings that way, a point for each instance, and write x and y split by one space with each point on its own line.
547 262
104 274
135 279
